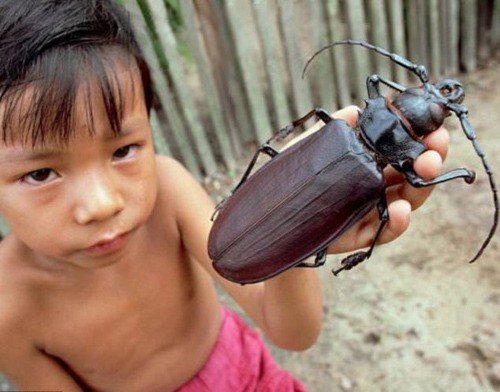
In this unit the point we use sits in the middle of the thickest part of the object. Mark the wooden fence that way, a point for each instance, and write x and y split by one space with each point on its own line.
237 77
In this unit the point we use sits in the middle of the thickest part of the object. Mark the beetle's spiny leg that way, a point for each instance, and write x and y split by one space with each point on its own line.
355 258
263 149
373 85
320 113
319 260
463 114
406 168
351 261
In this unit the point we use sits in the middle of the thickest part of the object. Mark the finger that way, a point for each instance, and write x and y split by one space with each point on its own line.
427 166
399 220
349 114
362 234
438 141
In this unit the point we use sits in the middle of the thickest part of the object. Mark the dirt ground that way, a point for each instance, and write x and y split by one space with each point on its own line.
417 317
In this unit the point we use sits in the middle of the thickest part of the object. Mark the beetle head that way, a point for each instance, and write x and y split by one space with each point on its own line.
450 89
425 108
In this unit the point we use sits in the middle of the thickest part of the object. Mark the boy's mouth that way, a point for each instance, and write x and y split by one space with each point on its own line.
108 245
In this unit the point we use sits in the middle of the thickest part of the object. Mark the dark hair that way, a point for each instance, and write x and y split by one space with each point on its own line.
56 46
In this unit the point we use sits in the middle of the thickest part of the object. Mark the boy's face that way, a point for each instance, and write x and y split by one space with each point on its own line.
82 202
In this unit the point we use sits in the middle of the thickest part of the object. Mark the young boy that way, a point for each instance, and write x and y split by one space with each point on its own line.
105 282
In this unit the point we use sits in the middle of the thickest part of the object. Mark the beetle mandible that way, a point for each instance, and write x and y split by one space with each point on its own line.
307 196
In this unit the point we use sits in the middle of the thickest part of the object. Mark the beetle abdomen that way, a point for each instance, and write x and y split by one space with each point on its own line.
294 205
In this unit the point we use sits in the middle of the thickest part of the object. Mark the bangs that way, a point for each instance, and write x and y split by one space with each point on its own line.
41 108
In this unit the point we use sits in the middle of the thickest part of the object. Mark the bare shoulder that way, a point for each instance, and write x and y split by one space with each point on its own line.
177 186
15 291
170 171
15 302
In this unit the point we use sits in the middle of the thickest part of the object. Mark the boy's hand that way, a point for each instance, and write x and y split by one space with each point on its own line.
401 196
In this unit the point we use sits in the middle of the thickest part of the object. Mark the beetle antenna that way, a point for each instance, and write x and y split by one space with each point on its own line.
495 202
463 114
418 70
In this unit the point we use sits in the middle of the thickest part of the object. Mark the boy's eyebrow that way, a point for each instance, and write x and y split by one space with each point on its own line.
19 156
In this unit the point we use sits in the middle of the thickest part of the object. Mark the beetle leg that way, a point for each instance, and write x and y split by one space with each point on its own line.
319 260
355 258
373 85
406 169
264 149
320 113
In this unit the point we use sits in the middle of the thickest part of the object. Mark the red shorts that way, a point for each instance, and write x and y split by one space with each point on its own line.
240 362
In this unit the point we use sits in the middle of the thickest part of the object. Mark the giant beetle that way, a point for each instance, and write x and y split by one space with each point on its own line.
304 198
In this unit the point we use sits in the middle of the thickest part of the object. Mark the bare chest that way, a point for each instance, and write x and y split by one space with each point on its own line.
131 331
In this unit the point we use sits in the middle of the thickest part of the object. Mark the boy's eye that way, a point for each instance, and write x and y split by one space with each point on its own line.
125 152
38 177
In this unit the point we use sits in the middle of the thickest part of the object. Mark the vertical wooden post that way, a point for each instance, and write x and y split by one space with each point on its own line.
339 54
397 32
159 139
179 80
300 87
356 22
267 22
210 91
321 72
495 28
379 36
468 34
240 20
163 90
434 38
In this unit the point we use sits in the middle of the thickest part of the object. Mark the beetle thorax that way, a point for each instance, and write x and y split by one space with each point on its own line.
421 109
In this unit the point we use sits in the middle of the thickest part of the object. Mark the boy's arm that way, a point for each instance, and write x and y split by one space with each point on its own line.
28 368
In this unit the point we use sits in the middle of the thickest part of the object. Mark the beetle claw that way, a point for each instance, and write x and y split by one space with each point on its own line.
471 178
351 261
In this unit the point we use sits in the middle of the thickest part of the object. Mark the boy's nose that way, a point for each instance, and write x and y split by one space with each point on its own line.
98 200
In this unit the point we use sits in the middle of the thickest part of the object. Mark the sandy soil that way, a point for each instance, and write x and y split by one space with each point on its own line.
417 317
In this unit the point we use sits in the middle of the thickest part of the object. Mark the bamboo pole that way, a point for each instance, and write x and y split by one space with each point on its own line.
160 141
468 34
339 54
240 23
265 16
495 28
356 21
323 77
396 27
300 87
210 91
234 103
379 35
162 89
179 80
435 38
